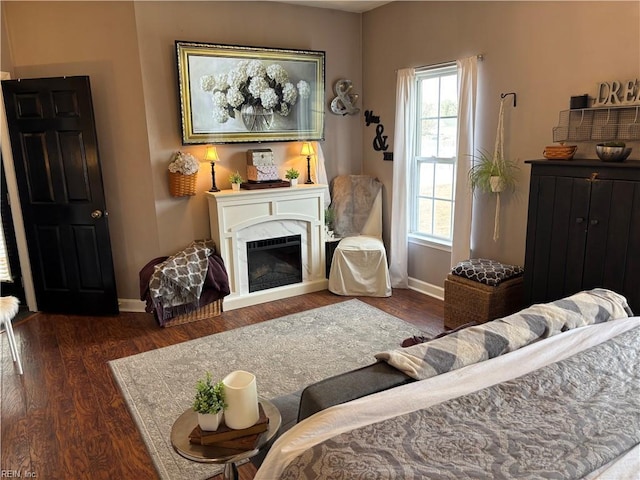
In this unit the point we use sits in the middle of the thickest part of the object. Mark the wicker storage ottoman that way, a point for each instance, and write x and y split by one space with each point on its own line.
212 309
468 301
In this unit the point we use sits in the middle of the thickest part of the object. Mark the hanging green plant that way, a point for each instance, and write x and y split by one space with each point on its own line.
491 175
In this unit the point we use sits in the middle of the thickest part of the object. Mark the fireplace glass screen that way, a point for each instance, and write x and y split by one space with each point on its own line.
274 262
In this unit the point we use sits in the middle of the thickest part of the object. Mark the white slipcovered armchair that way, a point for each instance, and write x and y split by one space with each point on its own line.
359 265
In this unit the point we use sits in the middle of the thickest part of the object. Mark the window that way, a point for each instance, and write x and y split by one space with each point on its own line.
433 185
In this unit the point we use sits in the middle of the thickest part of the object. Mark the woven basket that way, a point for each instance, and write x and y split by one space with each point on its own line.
470 301
559 152
182 185
212 309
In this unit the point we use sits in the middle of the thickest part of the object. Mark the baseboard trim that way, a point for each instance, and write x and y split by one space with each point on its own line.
131 305
426 288
134 305
232 302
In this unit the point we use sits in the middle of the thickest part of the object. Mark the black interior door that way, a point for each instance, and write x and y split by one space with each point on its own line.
55 150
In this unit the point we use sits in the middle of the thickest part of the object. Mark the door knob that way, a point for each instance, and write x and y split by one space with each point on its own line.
579 220
96 214
594 222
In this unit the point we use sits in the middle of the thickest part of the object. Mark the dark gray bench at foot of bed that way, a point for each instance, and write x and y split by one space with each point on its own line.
349 386
331 391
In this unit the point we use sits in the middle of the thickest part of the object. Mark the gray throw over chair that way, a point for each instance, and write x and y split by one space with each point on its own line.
359 265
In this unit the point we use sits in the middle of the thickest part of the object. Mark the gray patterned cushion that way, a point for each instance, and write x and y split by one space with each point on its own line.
489 272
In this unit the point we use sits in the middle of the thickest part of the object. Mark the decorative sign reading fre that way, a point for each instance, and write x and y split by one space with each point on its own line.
617 93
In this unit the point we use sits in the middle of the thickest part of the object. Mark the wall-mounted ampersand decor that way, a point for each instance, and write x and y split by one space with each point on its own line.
380 140
345 102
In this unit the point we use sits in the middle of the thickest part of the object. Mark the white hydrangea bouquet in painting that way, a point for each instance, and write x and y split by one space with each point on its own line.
256 91
183 163
183 172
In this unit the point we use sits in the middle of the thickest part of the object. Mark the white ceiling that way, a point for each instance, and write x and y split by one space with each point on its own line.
357 6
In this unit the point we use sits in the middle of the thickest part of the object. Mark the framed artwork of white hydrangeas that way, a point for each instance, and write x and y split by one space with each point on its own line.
236 94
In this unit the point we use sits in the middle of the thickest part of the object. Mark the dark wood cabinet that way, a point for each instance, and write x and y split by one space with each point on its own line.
329 248
583 229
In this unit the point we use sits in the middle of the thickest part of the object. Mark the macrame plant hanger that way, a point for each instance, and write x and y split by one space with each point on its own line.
498 153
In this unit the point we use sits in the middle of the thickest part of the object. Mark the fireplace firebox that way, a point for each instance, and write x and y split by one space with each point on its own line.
274 262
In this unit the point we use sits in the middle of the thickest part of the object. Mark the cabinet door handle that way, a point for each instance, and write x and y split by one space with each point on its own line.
579 220
594 222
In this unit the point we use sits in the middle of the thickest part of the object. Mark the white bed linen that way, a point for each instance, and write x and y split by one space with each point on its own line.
421 394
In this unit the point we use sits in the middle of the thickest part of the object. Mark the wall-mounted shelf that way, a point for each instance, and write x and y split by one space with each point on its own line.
598 124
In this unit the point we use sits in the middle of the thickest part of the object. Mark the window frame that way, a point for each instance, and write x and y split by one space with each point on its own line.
416 236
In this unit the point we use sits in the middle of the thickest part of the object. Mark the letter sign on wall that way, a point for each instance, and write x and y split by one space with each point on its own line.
618 93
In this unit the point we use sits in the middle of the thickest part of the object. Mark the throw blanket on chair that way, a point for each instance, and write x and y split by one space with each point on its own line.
352 198
176 284
482 342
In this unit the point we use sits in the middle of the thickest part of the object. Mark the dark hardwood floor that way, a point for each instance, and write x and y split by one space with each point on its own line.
65 417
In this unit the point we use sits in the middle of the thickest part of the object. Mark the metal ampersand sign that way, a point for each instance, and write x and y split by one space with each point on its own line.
344 103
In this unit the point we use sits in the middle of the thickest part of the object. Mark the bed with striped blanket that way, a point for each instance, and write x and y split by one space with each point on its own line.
552 392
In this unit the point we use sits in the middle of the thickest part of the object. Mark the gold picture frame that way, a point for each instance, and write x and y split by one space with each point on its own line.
237 94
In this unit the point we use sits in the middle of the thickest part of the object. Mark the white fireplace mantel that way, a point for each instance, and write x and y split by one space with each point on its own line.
238 217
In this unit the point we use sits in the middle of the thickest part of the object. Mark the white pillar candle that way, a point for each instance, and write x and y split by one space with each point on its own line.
241 397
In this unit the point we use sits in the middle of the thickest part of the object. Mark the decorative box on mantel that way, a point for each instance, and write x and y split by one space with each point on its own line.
247 217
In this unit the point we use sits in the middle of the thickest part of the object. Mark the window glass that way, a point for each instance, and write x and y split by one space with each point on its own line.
425 215
426 179
436 150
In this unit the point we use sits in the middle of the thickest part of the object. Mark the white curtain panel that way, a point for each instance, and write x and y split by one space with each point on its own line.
467 90
404 145
319 173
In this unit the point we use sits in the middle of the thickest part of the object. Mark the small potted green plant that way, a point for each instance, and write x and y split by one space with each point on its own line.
491 175
329 218
209 403
292 175
236 180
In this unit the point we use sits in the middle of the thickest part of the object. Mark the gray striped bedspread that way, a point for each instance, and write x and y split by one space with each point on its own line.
562 421
489 340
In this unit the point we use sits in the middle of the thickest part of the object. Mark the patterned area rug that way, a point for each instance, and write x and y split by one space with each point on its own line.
286 354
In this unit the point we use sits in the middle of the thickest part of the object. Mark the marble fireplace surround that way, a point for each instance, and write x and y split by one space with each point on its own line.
238 217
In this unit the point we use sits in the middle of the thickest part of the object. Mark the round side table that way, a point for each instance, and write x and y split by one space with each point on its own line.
185 424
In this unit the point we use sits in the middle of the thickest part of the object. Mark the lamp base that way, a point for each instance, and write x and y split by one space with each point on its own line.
309 181
213 179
